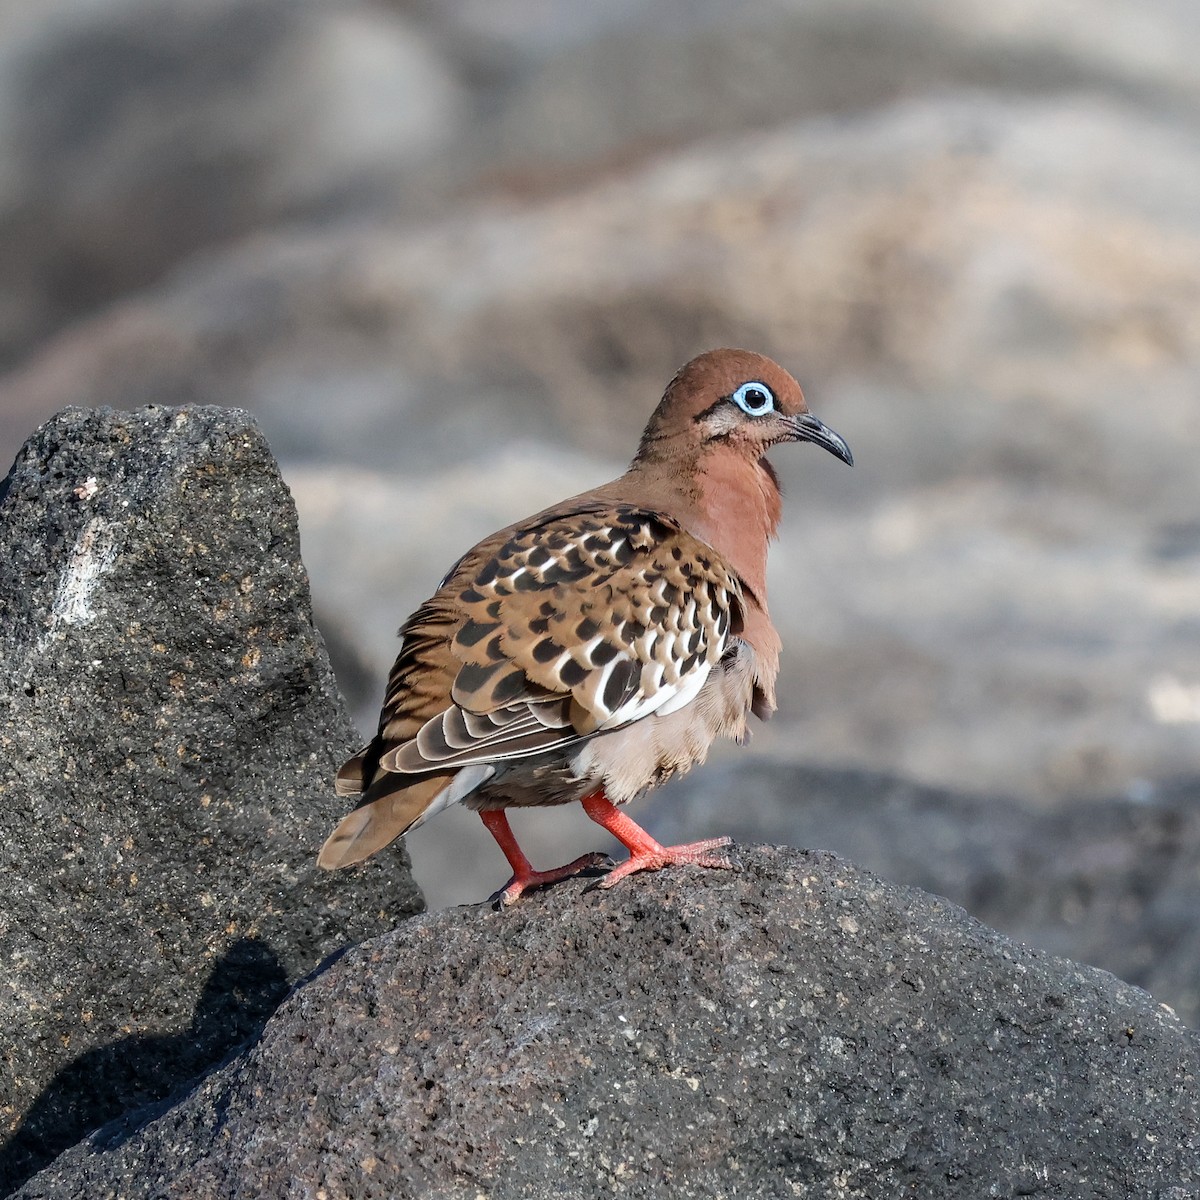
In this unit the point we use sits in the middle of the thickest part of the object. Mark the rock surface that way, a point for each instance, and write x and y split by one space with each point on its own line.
796 1028
1109 881
1113 882
169 728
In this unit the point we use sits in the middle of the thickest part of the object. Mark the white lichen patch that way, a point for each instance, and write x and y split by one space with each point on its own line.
93 554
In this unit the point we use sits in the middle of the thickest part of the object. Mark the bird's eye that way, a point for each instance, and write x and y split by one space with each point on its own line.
754 399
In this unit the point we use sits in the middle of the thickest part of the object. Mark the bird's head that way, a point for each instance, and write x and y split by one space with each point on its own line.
733 401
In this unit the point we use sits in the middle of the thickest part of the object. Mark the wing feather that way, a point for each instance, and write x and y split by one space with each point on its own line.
581 623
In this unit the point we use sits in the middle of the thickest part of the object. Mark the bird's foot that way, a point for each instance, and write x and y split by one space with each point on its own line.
521 882
653 857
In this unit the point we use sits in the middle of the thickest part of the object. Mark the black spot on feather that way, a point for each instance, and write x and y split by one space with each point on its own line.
547 650
603 653
472 678
572 674
473 632
508 688
619 684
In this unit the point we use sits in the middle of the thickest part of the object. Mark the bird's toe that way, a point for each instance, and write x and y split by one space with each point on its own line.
518 885
693 854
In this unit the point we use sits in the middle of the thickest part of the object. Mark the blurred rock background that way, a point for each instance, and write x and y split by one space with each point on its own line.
448 253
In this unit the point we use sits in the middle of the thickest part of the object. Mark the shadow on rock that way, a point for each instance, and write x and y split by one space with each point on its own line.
245 987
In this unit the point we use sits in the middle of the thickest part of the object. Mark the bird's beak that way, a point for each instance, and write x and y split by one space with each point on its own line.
808 428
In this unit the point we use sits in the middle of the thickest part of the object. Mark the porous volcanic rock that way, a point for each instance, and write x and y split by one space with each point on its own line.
169 728
796 1028
1111 881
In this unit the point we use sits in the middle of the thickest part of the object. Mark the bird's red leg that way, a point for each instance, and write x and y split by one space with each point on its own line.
645 854
524 876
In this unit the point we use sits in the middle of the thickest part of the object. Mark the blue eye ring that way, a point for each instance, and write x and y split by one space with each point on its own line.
755 399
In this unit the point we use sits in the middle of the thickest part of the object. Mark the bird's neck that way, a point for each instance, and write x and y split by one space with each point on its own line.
729 501
738 506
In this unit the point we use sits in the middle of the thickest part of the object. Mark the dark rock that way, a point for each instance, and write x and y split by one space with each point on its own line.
1114 882
796 1028
169 727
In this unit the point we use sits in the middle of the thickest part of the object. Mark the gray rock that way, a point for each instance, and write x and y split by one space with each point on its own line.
796 1028
579 87
1114 882
169 727
1109 881
134 134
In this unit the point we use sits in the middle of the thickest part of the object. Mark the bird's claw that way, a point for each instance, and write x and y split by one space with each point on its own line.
518 885
694 854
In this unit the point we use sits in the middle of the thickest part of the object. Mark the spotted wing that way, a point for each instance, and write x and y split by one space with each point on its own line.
578 625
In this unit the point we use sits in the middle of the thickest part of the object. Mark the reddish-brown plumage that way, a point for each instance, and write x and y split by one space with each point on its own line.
598 647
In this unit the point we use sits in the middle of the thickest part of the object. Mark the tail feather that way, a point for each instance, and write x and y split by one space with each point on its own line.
381 819
351 777
393 805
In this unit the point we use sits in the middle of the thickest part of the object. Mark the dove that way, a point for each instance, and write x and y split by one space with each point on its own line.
599 647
